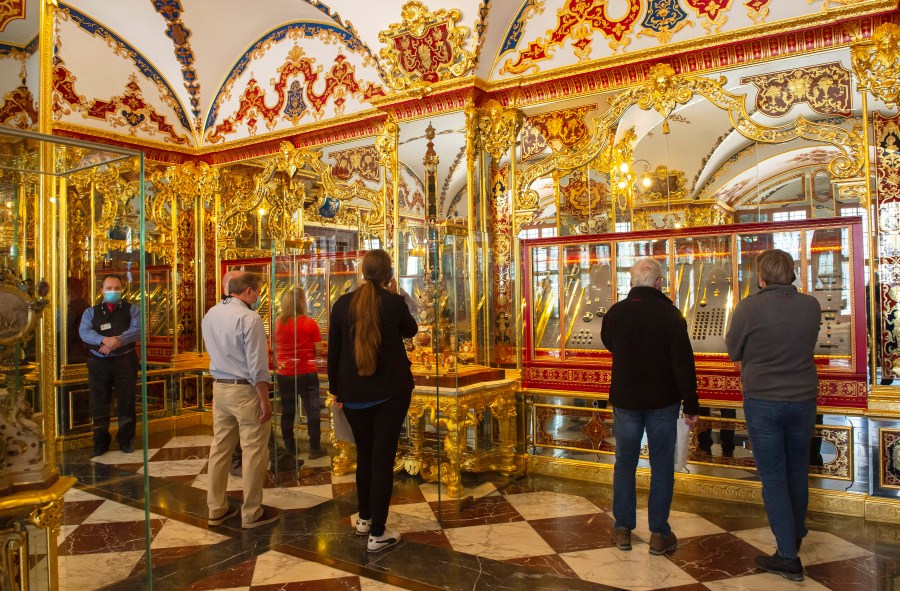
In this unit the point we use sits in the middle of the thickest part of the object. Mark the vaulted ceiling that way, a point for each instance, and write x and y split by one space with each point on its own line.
195 74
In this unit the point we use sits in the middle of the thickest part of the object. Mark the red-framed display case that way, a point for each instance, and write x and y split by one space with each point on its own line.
570 282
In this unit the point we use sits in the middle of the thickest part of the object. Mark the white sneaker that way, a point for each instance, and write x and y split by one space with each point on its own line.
363 526
386 540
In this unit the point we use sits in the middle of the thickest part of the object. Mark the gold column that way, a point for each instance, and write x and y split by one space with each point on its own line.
876 63
387 145
472 195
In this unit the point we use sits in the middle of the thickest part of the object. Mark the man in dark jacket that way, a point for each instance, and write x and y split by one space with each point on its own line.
773 335
110 329
652 376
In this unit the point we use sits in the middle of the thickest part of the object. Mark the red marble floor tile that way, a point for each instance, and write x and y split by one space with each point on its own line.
161 556
857 574
406 491
349 583
172 454
551 563
344 488
122 536
432 538
240 575
714 557
314 477
74 512
184 480
483 511
578 532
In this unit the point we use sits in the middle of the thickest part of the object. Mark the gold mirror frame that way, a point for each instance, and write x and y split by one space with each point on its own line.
663 90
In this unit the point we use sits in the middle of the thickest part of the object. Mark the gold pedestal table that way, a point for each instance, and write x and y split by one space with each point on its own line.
451 406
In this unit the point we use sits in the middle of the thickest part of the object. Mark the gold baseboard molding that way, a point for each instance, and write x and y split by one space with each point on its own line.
710 487
153 426
882 509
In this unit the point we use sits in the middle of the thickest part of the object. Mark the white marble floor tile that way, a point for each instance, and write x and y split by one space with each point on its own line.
116 457
409 517
319 490
343 479
636 570
175 468
64 531
765 582
234 482
175 534
371 585
502 541
111 511
546 505
190 441
75 494
323 462
430 491
291 498
277 568
86 572
685 525
818 546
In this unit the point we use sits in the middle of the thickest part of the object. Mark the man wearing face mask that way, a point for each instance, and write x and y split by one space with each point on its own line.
239 362
110 329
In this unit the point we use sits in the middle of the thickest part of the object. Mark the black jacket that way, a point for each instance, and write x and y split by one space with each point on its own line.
392 376
653 363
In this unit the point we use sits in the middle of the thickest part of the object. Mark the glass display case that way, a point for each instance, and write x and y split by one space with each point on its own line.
571 282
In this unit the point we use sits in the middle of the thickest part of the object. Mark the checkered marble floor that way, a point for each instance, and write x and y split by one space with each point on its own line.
533 527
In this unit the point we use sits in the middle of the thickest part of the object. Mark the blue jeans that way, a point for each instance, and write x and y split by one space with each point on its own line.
780 434
629 428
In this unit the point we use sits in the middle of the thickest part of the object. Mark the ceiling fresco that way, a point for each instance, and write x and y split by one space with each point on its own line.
195 74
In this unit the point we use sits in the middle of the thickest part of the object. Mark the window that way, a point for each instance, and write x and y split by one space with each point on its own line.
623 227
784 216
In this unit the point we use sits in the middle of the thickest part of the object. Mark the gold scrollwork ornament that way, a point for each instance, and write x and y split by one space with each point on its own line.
876 63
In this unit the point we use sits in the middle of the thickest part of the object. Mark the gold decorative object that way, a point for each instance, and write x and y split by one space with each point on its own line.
496 127
876 64
425 48
179 190
116 182
663 91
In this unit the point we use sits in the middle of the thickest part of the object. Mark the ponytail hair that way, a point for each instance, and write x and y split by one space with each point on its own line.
376 270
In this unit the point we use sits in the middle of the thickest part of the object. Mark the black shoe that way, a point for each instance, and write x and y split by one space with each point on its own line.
315 454
269 515
791 570
98 451
126 448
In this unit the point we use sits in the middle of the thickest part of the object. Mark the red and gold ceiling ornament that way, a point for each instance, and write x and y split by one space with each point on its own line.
712 12
825 88
11 10
564 129
293 97
425 48
128 110
19 109
361 161
758 10
583 195
577 19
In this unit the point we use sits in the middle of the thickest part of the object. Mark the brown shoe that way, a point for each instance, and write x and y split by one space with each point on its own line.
622 537
660 544
229 513
269 515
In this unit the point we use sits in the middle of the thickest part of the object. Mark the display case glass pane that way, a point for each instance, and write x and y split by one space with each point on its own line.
830 281
545 295
628 252
589 294
703 289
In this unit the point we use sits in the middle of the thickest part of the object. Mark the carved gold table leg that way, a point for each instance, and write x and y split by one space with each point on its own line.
342 463
504 410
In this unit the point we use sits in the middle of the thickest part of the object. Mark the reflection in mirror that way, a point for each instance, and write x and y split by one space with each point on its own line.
20 64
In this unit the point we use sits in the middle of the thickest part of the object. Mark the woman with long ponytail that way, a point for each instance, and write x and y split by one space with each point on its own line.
369 374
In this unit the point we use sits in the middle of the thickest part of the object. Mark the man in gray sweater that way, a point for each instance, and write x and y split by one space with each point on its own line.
773 336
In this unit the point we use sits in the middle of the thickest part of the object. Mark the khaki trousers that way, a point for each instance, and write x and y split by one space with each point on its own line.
236 417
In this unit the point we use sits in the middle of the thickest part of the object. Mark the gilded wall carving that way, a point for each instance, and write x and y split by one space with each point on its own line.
825 88
887 188
362 162
425 48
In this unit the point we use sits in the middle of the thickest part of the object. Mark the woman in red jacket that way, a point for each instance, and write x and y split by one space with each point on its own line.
297 340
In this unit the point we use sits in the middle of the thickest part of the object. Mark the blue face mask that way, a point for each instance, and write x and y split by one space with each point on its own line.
112 297
255 305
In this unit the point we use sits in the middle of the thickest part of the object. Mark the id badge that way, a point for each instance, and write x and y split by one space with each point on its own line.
106 326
